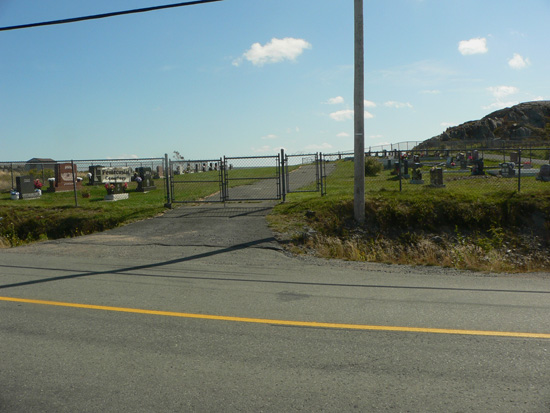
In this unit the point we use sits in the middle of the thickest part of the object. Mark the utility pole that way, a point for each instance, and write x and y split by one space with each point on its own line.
359 118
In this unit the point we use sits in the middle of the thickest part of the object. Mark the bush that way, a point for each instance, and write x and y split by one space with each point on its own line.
372 167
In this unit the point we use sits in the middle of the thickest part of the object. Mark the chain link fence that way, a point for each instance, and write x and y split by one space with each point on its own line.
76 182
473 171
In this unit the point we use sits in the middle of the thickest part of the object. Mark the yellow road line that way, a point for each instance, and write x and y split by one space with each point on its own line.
282 322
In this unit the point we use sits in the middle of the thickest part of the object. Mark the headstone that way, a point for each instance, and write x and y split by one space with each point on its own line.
416 175
477 168
116 191
475 155
96 171
64 176
388 164
396 168
145 181
160 172
25 187
436 178
544 174
449 162
507 169
514 157
463 164
406 169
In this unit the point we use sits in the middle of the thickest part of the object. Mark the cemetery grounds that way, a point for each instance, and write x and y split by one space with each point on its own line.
481 223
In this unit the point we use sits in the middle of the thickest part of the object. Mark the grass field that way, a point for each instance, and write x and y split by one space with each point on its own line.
477 223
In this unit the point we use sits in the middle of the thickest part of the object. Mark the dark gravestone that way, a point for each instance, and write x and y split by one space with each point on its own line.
514 157
477 168
96 171
544 174
145 183
406 169
25 187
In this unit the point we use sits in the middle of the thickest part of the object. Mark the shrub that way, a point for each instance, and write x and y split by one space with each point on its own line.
372 167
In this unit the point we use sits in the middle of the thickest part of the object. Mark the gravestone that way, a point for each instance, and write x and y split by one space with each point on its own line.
406 169
416 175
507 170
64 178
25 187
388 164
514 157
463 164
116 191
436 178
544 174
396 168
160 172
96 171
477 168
145 181
449 162
475 155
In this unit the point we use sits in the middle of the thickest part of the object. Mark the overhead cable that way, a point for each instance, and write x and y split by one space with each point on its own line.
104 15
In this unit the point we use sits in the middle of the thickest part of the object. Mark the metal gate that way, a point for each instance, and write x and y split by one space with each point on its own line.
196 180
254 178
225 179
303 173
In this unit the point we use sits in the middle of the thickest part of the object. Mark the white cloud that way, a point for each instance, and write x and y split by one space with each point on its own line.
271 136
342 115
343 135
316 147
347 114
499 93
447 124
518 62
275 51
397 105
477 45
335 101
431 92
502 91
369 104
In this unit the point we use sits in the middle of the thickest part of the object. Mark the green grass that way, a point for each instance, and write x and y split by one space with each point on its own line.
479 223
54 214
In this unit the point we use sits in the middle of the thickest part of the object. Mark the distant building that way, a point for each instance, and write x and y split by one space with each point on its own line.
40 163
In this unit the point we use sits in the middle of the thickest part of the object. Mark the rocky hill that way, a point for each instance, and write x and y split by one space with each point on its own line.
529 121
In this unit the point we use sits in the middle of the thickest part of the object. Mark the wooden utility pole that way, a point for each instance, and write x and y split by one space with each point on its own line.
359 118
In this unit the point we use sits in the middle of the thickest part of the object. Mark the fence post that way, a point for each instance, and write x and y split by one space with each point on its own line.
400 177
167 174
282 172
519 170
74 186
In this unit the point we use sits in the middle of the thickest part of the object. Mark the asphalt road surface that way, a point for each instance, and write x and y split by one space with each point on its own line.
200 310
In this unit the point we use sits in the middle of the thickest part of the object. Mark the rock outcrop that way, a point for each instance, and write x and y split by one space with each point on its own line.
528 121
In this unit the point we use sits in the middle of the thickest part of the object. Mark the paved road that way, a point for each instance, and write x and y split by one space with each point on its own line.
200 310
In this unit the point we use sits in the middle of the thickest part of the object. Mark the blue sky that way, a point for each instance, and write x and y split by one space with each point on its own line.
247 77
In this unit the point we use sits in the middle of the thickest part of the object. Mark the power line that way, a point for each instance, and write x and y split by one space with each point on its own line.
104 15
